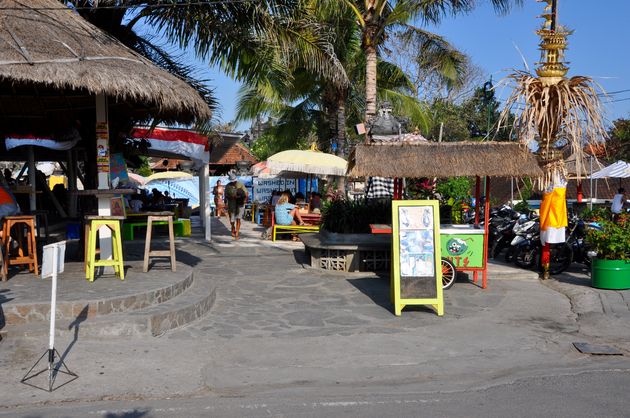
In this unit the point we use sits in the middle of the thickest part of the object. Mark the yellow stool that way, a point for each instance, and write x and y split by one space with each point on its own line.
93 224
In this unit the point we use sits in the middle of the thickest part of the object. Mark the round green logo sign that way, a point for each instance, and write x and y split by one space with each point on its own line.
456 246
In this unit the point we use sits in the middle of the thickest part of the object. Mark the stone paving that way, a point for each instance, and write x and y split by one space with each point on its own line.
278 323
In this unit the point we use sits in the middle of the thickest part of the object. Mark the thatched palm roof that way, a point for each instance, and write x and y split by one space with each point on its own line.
570 164
48 47
445 159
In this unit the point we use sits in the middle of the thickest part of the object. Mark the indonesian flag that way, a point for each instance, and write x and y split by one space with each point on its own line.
182 142
553 213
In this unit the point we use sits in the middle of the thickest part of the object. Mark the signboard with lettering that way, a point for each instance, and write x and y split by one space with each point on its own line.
416 267
464 250
263 187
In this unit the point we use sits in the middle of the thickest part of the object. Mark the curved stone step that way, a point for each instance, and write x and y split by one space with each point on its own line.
80 301
153 320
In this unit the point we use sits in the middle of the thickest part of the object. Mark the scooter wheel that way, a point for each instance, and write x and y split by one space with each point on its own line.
526 258
560 257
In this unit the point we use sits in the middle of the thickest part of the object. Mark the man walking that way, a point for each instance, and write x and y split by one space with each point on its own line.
236 195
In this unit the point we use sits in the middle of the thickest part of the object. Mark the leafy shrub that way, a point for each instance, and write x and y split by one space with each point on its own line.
613 241
355 216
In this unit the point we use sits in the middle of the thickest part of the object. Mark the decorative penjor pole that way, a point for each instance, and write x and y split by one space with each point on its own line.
558 113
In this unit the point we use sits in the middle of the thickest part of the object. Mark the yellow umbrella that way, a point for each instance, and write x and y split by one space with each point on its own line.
169 175
307 161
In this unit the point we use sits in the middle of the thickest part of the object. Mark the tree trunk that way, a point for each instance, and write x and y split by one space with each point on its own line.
341 123
370 83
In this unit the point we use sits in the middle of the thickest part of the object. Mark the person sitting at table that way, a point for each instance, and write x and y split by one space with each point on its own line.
157 198
286 213
291 197
135 203
315 202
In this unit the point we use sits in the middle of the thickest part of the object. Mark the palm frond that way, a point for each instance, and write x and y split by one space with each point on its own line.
408 106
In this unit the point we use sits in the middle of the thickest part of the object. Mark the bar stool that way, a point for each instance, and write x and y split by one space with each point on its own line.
23 222
159 217
92 225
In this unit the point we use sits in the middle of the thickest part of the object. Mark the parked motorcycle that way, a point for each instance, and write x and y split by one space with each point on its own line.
581 251
528 248
500 226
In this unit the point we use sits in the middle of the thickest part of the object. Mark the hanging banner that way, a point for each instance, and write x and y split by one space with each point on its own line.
416 273
264 186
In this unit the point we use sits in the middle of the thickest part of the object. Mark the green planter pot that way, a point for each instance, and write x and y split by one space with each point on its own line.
610 274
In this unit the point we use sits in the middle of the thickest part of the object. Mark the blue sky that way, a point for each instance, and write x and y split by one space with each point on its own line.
598 47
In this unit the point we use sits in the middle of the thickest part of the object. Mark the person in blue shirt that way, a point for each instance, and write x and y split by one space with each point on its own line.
287 213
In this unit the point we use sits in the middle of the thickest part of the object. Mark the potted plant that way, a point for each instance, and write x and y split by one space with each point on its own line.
611 267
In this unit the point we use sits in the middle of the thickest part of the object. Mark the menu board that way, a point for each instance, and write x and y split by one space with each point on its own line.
416 266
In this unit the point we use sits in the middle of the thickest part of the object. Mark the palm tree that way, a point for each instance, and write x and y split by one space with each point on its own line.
378 19
315 104
246 39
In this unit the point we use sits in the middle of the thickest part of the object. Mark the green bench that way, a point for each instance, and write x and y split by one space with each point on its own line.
181 227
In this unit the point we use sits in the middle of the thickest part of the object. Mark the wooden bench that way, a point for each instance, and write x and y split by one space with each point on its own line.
181 227
290 229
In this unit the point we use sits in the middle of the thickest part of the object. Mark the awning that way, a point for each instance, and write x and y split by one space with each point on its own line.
620 169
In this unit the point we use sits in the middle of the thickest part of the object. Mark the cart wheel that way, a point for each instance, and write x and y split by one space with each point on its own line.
449 274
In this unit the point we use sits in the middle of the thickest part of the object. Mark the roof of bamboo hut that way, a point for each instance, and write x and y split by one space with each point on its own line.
570 164
49 47
444 159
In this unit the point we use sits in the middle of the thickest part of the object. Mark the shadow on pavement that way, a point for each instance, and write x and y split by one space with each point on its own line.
76 325
376 288
136 413
3 299
301 258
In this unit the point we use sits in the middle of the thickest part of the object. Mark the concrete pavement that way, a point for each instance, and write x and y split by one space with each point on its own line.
278 325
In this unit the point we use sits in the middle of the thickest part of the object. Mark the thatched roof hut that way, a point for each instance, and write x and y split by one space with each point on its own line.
52 60
445 159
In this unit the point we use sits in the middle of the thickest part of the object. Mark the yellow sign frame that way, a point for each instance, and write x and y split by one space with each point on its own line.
437 302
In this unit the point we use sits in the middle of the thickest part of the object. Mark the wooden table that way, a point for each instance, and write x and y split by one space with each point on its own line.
311 218
381 228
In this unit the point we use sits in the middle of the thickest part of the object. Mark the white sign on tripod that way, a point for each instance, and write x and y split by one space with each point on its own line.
52 265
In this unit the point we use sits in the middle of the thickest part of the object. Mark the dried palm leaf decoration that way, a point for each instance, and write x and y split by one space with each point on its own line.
556 112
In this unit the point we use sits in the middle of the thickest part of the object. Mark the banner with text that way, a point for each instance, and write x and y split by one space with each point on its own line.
263 187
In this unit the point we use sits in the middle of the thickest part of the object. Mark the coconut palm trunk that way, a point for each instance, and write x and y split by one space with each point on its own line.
370 82
341 121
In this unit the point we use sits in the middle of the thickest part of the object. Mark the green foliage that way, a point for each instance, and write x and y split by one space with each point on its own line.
270 143
144 170
354 216
522 207
613 241
527 190
455 192
454 189
454 126
474 119
619 144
